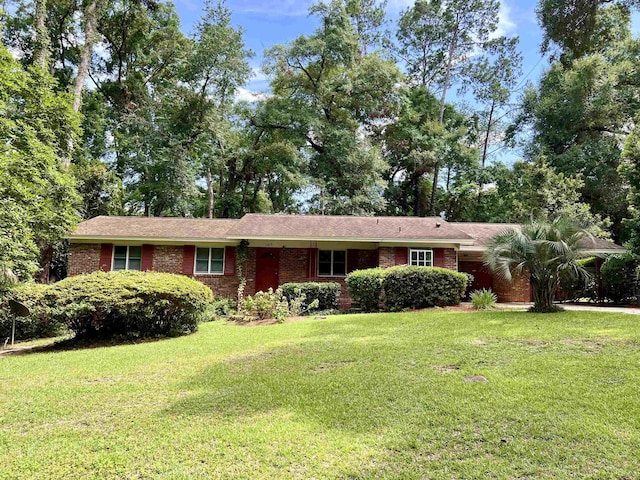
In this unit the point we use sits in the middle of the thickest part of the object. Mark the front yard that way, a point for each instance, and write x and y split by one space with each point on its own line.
360 396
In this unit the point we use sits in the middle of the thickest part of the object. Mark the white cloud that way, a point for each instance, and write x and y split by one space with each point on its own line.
257 75
245 95
505 24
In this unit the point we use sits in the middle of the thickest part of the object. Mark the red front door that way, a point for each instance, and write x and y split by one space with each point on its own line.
267 265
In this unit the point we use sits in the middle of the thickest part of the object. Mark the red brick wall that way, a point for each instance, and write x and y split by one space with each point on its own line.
83 258
517 291
167 258
386 257
450 259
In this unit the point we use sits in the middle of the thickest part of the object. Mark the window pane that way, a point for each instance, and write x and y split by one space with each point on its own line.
324 263
134 263
202 265
202 254
217 254
119 257
135 252
119 263
339 268
339 262
216 266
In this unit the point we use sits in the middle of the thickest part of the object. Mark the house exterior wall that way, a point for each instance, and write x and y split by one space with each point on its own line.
83 258
519 290
295 265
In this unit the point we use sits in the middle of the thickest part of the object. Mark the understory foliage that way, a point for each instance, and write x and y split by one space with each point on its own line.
290 299
326 294
264 305
127 303
39 324
543 249
621 278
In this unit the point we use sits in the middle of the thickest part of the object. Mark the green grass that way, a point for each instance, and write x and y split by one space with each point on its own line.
361 396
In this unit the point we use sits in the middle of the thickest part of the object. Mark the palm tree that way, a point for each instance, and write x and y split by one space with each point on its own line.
544 250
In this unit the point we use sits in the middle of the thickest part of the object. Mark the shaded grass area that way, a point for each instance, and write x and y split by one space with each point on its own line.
359 396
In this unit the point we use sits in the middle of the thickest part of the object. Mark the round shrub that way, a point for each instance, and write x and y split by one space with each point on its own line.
129 304
326 293
621 278
365 288
39 324
421 287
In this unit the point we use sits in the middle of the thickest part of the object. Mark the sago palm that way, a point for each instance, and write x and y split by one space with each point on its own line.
543 250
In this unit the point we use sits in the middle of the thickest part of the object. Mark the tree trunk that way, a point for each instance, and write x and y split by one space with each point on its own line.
443 98
209 194
41 54
46 256
87 52
486 146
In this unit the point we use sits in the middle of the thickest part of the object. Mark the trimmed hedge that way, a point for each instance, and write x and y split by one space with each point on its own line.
407 287
139 304
621 278
365 287
38 324
327 293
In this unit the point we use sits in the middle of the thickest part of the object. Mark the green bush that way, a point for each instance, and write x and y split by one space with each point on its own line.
621 278
139 304
576 289
326 293
223 307
365 288
483 299
420 287
38 324
265 305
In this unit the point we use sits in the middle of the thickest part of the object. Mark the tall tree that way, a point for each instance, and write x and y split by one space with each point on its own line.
440 42
630 169
330 96
37 197
581 114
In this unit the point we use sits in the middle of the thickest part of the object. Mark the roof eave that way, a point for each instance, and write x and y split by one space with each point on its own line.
110 238
459 241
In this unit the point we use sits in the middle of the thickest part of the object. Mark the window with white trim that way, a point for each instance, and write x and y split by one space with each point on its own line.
210 260
332 263
127 257
421 257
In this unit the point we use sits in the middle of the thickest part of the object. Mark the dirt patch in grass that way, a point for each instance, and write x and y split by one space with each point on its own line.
445 368
324 367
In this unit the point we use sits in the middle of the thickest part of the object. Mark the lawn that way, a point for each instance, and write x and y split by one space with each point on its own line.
360 396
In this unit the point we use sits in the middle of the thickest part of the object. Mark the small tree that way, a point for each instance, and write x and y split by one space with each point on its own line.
544 249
